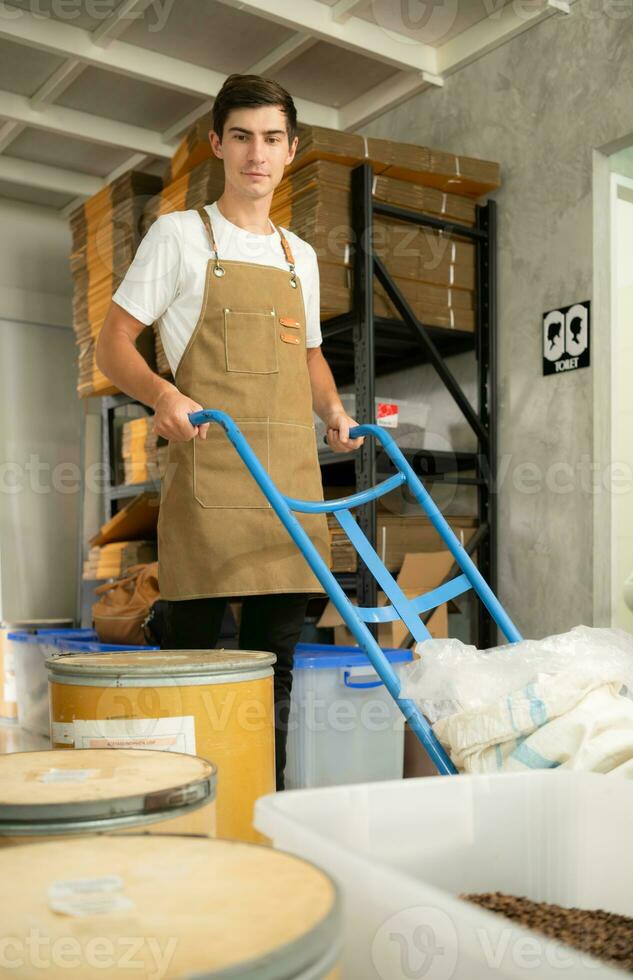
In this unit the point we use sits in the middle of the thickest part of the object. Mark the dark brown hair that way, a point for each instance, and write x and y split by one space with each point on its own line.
249 91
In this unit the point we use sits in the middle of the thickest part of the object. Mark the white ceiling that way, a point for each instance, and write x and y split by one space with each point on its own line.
90 88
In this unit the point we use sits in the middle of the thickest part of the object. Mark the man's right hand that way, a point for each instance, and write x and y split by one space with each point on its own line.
171 413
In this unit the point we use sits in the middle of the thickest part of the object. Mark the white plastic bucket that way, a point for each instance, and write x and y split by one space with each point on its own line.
8 686
404 851
30 648
344 726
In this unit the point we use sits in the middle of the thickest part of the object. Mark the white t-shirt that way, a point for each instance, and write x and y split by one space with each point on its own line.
165 281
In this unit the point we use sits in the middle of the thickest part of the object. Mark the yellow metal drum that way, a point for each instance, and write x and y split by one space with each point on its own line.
61 793
217 704
190 907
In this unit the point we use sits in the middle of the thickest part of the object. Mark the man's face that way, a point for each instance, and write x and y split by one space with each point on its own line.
254 149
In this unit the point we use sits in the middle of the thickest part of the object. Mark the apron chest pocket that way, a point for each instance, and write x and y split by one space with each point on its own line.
250 341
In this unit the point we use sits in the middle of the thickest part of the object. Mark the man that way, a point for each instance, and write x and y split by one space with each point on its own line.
237 302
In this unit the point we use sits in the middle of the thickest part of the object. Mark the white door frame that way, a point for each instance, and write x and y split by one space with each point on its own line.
604 324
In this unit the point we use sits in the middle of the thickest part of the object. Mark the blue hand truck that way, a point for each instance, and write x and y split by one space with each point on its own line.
400 607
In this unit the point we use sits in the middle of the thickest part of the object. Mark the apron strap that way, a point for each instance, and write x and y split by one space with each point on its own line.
289 256
206 220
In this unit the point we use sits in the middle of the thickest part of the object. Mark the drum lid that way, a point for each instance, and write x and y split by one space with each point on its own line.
221 908
138 663
75 785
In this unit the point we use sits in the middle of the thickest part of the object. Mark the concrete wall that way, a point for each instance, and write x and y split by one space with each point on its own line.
40 416
539 105
35 281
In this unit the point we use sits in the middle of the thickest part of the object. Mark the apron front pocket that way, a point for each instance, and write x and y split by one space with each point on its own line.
250 341
220 478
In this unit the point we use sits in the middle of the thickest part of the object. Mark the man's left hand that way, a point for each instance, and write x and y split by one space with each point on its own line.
338 425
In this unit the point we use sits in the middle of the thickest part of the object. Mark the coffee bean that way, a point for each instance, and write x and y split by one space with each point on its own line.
605 935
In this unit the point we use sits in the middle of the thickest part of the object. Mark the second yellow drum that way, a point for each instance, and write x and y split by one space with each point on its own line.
217 704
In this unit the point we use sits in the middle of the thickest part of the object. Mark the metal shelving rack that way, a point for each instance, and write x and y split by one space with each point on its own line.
359 346
114 489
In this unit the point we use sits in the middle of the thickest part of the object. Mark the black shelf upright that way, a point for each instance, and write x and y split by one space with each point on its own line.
405 342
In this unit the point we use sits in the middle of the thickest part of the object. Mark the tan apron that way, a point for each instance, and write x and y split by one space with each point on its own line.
217 533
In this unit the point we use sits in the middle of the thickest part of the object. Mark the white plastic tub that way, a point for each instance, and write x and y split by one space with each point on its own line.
404 851
8 647
344 726
30 650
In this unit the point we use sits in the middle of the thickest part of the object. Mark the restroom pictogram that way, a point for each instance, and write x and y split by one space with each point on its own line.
566 338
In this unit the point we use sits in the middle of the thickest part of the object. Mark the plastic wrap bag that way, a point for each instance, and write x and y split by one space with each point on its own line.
452 676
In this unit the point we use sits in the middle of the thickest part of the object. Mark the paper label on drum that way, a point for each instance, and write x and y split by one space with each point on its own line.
67 775
88 896
62 733
164 734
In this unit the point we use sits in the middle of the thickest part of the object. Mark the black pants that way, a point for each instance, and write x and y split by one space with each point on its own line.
269 622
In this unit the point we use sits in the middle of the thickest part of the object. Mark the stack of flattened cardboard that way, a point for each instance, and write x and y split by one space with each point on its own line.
112 560
144 453
193 189
406 161
193 149
435 272
396 534
106 231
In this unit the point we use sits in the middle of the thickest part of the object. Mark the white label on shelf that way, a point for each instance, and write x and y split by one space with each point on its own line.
67 775
62 733
88 896
165 734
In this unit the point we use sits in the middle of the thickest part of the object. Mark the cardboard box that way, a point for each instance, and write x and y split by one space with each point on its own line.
419 574
396 534
137 521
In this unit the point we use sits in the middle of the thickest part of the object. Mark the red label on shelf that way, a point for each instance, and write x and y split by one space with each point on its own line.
387 415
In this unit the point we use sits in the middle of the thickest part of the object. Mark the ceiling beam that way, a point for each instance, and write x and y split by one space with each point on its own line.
57 179
282 55
62 39
83 125
58 82
135 162
344 9
183 124
361 36
360 111
48 92
497 28
118 21
9 131
130 60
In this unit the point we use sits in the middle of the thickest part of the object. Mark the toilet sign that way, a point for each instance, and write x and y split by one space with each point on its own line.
566 339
